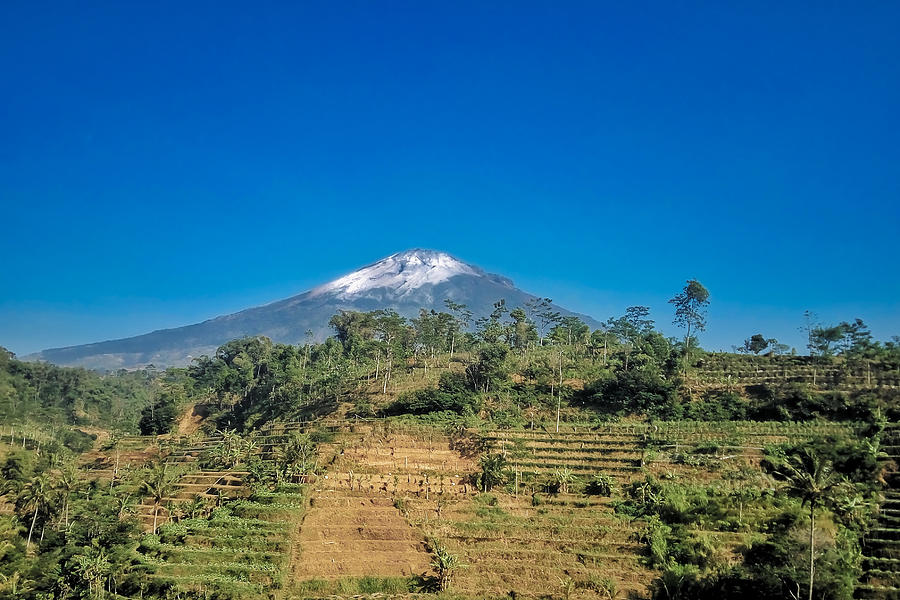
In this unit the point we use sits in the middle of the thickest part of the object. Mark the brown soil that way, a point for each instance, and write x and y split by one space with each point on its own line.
192 419
346 534
352 528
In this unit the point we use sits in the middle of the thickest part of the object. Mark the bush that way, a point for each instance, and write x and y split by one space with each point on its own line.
77 440
451 394
637 391
599 485
159 416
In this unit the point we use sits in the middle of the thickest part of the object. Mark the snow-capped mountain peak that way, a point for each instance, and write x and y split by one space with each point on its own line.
406 282
401 273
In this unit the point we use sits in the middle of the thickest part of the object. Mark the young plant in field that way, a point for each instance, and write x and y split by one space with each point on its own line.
563 478
568 586
493 471
444 564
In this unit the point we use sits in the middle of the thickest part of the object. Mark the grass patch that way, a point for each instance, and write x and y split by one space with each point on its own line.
356 585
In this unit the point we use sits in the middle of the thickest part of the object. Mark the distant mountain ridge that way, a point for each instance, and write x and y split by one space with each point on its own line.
405 282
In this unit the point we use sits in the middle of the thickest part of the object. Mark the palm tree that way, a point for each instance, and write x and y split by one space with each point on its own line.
159 484
811 478
35 497
65 485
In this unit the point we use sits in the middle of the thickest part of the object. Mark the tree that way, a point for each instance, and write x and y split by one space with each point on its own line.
491 329
489 368
294 457
462 317
159 416
858 338
389 328
570 331
493 471
444 564
522 332
353 329
66 483
35 499
540 310
632 325
93 568
690 310
812 479
822 337
563 478
159 483
755 344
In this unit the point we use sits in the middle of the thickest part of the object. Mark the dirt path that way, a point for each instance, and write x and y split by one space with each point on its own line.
192 419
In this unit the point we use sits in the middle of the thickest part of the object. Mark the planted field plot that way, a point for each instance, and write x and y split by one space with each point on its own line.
732 370
612 450
240 549
629 450
534 543
214 487
220 511
550 527
540 548
355 526
120 453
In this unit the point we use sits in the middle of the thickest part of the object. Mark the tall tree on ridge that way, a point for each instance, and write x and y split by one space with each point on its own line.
462 317
690 310
541 312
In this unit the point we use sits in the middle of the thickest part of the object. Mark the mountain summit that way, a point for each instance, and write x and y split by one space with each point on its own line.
402 273
405 282
408 276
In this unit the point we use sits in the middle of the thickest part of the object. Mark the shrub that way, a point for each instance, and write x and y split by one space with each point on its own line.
637 391
493 471
599 485
77 440
451 394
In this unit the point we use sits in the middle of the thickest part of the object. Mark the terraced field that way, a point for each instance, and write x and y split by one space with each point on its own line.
577 540
356 525
882 545
385 493
216 534
725 371
243 547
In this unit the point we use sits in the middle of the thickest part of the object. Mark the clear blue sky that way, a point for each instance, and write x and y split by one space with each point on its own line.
163 163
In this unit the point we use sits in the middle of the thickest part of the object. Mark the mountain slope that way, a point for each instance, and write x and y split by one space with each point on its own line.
406 282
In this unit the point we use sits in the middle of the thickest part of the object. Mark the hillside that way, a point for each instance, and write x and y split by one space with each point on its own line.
409 458
362 508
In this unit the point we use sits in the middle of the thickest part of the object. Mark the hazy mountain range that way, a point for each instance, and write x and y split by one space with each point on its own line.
405 282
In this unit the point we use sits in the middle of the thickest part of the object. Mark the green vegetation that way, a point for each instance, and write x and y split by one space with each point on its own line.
60 396
611 462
